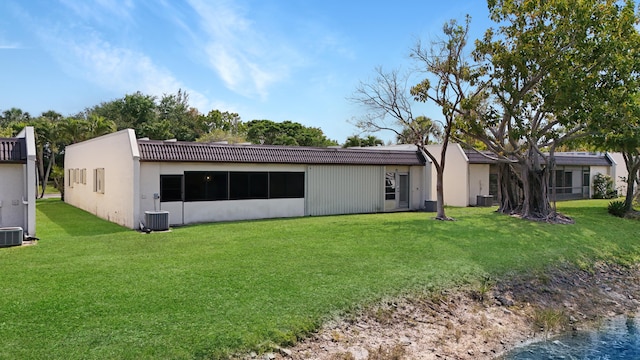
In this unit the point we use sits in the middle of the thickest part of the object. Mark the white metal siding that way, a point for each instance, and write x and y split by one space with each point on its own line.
335 189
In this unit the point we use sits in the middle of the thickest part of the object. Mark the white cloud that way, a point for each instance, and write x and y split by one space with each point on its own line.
9 46
116 68
248 60
102 11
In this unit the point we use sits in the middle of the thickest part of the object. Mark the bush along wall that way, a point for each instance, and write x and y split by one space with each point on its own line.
603 187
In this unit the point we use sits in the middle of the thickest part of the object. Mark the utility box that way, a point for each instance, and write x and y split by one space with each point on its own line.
430 206
157 220
484 200
11 236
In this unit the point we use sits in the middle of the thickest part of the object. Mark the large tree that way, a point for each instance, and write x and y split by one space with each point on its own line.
286 133
548 64
450 83
164 118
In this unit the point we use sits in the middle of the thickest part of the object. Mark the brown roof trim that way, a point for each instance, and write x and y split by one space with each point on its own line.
13 150
562 159
172 151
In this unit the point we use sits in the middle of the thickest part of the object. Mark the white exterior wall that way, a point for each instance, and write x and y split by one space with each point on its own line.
619 171
118 154
344 189
604 170
417 185
18 189
456 175
478 181
12 189
210 211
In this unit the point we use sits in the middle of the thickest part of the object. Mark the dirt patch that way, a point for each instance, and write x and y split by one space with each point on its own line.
480 322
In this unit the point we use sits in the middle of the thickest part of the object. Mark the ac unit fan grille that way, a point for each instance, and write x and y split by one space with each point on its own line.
157 220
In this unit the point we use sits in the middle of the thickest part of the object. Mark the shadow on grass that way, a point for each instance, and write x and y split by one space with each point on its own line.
54 215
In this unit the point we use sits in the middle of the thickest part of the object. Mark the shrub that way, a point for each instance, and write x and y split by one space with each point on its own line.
617 208
603 187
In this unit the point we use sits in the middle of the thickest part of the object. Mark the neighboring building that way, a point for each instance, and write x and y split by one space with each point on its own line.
18 182
574 174
457 174
620 173
119 178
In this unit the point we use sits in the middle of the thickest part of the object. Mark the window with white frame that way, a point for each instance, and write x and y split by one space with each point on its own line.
98 180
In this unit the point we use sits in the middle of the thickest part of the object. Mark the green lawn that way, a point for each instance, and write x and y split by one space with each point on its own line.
93 290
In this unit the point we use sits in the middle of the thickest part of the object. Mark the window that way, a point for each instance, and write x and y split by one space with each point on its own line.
70 175
248 185
493 185
238 185
205 185
98 180
284 185
83 176
170 187
568 182
390 186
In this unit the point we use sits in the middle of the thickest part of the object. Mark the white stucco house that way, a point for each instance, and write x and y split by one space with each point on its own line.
123 179
574 174
469 176
18 184
620 172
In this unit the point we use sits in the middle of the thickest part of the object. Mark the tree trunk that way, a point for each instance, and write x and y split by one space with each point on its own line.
52 161
440 179
40 162
509 186
536 204
440 215
633 166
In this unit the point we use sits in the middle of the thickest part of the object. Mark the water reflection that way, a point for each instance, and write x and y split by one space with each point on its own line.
617 339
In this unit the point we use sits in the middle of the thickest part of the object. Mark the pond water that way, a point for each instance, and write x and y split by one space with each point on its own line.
617 339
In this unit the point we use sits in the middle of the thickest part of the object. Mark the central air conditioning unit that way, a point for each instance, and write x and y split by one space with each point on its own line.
11 236
156 220
484 200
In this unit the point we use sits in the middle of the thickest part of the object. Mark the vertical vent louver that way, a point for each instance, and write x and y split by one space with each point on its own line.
157 220
11 236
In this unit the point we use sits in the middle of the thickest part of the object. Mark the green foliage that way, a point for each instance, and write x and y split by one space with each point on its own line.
617 208
550 320
169 117
357 141
91 289
604 187
286 133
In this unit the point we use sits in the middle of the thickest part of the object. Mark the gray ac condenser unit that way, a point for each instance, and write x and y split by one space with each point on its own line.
11 236
157 220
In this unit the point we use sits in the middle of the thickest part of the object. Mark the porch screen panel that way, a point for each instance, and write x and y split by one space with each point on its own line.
335 189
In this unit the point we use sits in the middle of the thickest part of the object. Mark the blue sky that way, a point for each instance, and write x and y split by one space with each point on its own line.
264 59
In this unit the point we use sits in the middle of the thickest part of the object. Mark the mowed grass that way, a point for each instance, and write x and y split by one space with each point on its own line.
93 290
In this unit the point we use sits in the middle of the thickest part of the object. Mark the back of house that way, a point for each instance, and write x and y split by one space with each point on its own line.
138 181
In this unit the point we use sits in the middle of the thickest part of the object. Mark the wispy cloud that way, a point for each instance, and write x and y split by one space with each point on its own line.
248 60
115 68
9 46
101 11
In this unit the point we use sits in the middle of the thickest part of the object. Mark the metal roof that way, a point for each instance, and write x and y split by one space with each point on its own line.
563 159
583 160
174 151
477 158
13 150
